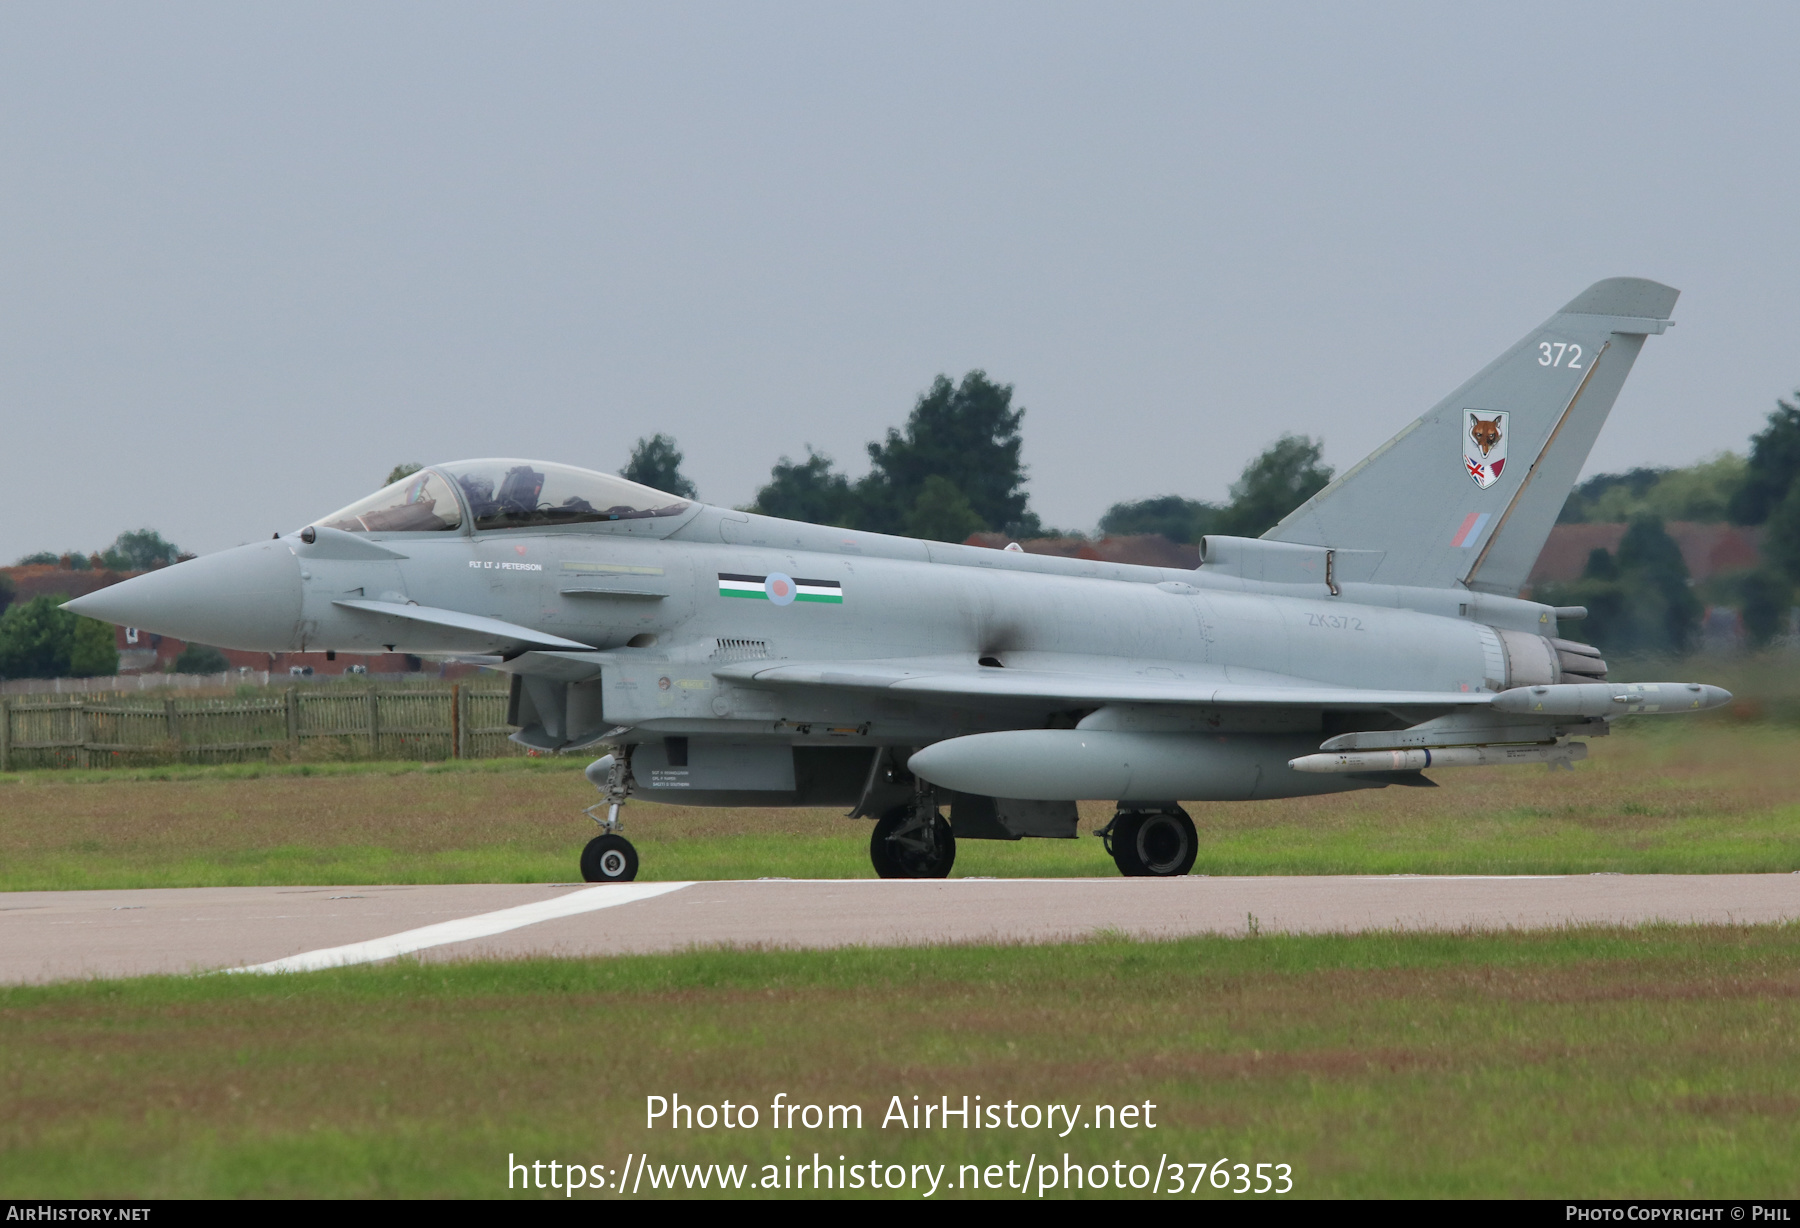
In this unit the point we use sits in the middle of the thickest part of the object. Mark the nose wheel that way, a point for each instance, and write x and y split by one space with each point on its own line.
609 859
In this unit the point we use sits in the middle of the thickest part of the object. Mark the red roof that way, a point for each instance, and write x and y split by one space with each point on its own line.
1707 549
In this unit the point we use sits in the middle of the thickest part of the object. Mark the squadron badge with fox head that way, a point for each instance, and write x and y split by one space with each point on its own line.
1484 445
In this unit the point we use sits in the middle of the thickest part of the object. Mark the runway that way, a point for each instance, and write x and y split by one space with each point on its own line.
61 935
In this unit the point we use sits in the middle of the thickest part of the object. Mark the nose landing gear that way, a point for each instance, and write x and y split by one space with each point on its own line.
609 857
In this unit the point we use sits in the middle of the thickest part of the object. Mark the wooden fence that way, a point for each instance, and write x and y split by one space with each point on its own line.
297 725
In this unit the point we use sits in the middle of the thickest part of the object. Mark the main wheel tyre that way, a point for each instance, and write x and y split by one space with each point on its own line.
609 859
1154 844
901 848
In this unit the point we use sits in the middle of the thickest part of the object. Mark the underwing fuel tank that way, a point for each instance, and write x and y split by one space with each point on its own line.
1055 765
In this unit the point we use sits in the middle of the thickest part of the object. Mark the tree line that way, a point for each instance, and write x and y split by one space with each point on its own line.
132 550
954 468
1641 599
40 639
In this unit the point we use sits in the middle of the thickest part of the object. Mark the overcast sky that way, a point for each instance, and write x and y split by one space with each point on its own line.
252 255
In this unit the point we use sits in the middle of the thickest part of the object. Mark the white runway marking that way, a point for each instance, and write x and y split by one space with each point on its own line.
67 935
482 925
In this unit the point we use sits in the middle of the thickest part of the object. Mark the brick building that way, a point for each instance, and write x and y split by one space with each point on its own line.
1707 549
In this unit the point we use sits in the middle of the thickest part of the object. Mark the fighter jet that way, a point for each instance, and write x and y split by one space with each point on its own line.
728 659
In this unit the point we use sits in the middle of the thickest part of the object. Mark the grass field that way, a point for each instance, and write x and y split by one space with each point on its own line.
1380 1065
1668 796
1579 1063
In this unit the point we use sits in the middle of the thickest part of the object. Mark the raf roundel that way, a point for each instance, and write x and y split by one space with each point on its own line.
781 589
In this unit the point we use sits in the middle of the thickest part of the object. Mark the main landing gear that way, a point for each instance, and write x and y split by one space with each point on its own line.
609 857
1158 843
913 841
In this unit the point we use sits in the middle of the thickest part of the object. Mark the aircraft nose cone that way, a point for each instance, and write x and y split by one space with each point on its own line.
248 597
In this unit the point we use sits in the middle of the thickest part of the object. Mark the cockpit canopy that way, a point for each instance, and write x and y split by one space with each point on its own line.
502 494
421 503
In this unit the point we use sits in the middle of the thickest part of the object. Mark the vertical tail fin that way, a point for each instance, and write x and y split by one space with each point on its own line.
1468 493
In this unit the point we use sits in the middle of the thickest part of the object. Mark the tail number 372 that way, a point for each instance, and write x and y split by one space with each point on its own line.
1559 354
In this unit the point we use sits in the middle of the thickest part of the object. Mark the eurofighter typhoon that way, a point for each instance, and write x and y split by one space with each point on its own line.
728 659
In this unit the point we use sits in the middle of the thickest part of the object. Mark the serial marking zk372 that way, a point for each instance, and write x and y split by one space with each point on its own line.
732 659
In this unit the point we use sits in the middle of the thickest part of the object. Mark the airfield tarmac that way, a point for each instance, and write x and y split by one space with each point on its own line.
62 935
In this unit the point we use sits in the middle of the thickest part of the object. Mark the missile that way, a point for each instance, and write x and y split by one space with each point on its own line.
1441 756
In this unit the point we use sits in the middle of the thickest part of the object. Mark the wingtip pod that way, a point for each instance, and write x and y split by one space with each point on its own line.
1601 699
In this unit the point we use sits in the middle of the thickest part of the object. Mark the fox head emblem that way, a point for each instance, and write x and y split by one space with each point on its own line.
1485 432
